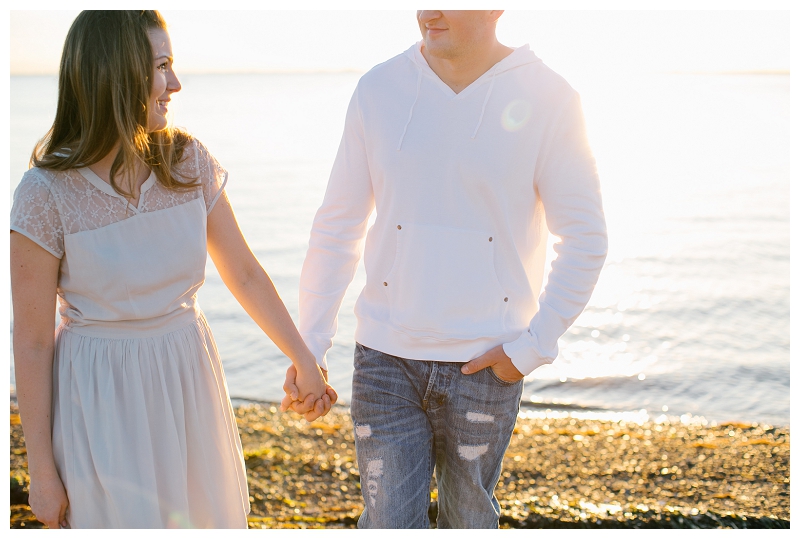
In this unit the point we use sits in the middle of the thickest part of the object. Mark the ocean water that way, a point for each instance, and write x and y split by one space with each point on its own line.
691 313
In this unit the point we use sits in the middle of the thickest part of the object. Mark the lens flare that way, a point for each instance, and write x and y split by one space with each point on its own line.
516 115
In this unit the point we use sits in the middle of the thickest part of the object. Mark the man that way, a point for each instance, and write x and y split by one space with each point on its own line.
465 148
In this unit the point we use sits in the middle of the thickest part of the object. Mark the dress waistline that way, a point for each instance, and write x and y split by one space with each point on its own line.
134 329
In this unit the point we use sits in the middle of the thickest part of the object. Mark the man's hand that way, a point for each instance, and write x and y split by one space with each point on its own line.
498 361
308 408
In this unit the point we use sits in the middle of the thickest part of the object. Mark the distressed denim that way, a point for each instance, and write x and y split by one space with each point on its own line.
411 417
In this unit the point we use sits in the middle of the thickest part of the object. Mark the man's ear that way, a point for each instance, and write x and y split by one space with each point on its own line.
494 14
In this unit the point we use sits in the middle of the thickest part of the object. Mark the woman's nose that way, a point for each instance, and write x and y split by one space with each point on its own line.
173 84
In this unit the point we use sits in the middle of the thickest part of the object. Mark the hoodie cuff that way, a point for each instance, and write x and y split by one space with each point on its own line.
318 348
323 361
525 355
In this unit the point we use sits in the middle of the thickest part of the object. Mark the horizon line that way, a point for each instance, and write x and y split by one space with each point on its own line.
350 70
732 72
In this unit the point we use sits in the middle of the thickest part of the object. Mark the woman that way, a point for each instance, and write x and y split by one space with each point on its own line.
126 413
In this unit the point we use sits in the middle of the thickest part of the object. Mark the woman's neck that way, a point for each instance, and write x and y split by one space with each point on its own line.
124 179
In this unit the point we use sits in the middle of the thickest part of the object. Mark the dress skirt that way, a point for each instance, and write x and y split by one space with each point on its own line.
144 434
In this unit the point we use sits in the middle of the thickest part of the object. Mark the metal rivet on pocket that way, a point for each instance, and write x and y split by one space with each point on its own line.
504 299
490 238
399 227
387 284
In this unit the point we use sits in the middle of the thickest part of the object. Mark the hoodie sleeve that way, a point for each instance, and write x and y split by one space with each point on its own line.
336 235
569 189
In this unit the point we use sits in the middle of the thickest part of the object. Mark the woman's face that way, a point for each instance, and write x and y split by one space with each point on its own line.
165 82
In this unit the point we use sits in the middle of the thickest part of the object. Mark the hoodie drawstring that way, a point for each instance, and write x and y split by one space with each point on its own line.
486 100
411 112
416 98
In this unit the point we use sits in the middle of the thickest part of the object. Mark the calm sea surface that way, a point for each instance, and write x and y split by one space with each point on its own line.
691 313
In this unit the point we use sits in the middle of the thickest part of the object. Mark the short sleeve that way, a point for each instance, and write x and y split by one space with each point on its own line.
210 173
34 214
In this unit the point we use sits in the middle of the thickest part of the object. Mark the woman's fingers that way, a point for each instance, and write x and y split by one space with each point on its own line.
55 519
290 385
286 403
62 516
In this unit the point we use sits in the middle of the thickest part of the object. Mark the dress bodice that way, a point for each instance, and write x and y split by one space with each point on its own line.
123 268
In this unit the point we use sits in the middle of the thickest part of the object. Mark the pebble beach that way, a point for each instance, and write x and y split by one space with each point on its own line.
561 470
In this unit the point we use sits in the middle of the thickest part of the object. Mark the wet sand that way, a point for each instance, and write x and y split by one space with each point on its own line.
559 471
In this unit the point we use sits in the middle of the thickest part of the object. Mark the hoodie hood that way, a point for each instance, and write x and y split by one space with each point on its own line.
520 56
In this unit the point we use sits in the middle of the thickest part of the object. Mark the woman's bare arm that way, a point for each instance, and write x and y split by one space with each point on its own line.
253 289
34 277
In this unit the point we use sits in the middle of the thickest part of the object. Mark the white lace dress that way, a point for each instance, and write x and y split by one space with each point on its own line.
144 434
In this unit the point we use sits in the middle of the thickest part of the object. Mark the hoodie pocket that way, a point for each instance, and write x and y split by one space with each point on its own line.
443 283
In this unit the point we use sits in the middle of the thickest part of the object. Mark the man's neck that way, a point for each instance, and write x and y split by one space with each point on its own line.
461 71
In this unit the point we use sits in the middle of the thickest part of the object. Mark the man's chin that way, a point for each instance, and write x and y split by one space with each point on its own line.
441 51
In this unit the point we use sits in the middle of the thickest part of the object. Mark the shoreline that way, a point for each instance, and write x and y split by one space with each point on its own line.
559 471
581 412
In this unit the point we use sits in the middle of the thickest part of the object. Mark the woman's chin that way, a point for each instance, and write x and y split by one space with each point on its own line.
160 125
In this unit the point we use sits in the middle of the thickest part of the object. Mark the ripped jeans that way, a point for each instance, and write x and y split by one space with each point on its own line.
413 416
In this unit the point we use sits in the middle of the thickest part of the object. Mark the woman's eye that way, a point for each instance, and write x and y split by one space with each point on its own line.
163 67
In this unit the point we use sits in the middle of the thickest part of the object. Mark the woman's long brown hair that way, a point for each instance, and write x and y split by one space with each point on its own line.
104 85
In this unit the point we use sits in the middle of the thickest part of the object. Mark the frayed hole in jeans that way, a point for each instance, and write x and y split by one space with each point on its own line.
363 431
374 472
472 452
477 417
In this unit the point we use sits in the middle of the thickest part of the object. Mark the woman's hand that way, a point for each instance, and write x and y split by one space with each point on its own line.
310 407
48 500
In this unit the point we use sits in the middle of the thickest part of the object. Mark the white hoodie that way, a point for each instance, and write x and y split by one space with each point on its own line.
460 183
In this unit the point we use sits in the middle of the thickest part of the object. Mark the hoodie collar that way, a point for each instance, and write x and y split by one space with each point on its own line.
518 57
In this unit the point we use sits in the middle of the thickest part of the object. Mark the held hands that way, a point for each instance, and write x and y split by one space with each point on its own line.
48 501
309 383
498 361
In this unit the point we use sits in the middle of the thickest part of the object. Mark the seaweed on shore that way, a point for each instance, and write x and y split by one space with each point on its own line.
559 472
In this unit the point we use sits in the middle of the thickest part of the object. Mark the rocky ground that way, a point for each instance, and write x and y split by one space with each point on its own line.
558 472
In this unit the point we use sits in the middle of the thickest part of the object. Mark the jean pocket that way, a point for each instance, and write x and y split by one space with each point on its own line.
500 380
361 353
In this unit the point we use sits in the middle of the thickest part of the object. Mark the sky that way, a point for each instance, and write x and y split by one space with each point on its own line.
570 42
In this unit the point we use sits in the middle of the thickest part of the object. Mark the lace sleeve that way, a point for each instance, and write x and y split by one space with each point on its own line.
202 165
34 214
